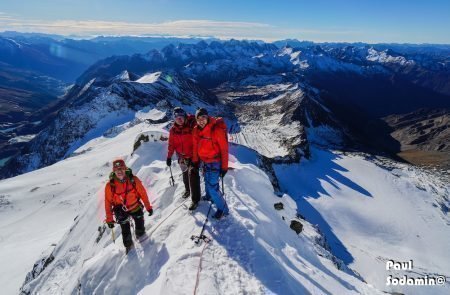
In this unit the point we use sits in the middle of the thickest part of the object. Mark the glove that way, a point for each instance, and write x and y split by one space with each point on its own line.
223 172
169 161
110 224
150 212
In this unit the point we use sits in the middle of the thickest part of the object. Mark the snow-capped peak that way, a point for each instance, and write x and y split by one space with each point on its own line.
384 57
124 76
149 78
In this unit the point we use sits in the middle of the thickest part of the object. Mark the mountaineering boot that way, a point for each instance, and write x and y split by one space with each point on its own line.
139 233
129 248
218 215
186 194
193 206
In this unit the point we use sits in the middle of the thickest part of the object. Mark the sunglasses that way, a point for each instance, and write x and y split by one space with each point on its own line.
202 118
118 165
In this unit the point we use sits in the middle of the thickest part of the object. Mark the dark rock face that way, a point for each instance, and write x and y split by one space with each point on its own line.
423 129
278 117
296 226
87 106
424 136
278 206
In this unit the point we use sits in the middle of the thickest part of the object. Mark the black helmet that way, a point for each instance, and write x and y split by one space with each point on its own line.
201 112
179 112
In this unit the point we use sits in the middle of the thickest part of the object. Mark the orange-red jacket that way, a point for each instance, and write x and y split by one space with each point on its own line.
180 139
125 194
211 142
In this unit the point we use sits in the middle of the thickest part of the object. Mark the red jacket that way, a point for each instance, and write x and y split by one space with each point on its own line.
180 139
211 142
125 194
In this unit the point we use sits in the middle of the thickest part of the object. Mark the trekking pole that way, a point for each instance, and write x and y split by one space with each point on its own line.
171 180
202 237
223 188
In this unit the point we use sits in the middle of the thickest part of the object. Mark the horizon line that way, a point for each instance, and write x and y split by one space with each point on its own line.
206 28
203 37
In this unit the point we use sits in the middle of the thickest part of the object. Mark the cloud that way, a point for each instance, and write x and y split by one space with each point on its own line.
219 29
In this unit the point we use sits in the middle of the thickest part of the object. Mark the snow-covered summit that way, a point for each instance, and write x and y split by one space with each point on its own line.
149 78
124 76
384 57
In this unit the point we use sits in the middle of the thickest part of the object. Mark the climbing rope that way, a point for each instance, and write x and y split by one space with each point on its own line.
199 269
162 221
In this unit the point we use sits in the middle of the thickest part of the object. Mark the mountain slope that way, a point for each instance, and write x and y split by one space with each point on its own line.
342 90
424 136
246 247
279 116
23 96
252 250
360 84
372 211
93 108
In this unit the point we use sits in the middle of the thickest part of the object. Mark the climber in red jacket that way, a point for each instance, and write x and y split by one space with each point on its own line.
210 146
125 196
180 141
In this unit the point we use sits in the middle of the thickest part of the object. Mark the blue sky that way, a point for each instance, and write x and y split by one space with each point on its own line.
413 21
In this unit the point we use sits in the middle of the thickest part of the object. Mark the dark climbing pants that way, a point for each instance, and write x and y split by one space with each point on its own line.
122 218
191 179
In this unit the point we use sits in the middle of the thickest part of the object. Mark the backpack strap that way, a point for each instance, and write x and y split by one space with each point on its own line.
130 176
112 176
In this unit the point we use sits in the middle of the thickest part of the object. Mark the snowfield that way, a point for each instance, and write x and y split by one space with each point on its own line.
372 214
358 215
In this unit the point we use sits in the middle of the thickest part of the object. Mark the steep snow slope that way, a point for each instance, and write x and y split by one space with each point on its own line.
372 212
37 208
252 250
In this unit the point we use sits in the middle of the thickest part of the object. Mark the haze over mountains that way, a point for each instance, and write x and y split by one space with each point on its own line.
37 69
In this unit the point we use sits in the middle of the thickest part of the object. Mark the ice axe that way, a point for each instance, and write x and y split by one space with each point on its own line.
171 180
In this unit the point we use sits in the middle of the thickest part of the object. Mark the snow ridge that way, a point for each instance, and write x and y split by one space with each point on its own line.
253 250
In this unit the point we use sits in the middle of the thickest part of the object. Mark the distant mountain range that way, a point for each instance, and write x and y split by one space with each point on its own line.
341 94
36 69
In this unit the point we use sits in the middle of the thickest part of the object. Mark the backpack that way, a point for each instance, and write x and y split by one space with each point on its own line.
220 123
129 175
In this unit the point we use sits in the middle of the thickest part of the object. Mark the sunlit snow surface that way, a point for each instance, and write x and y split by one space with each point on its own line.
367 213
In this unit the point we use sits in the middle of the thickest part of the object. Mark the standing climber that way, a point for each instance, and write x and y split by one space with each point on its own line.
180 141
211 147
125 196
